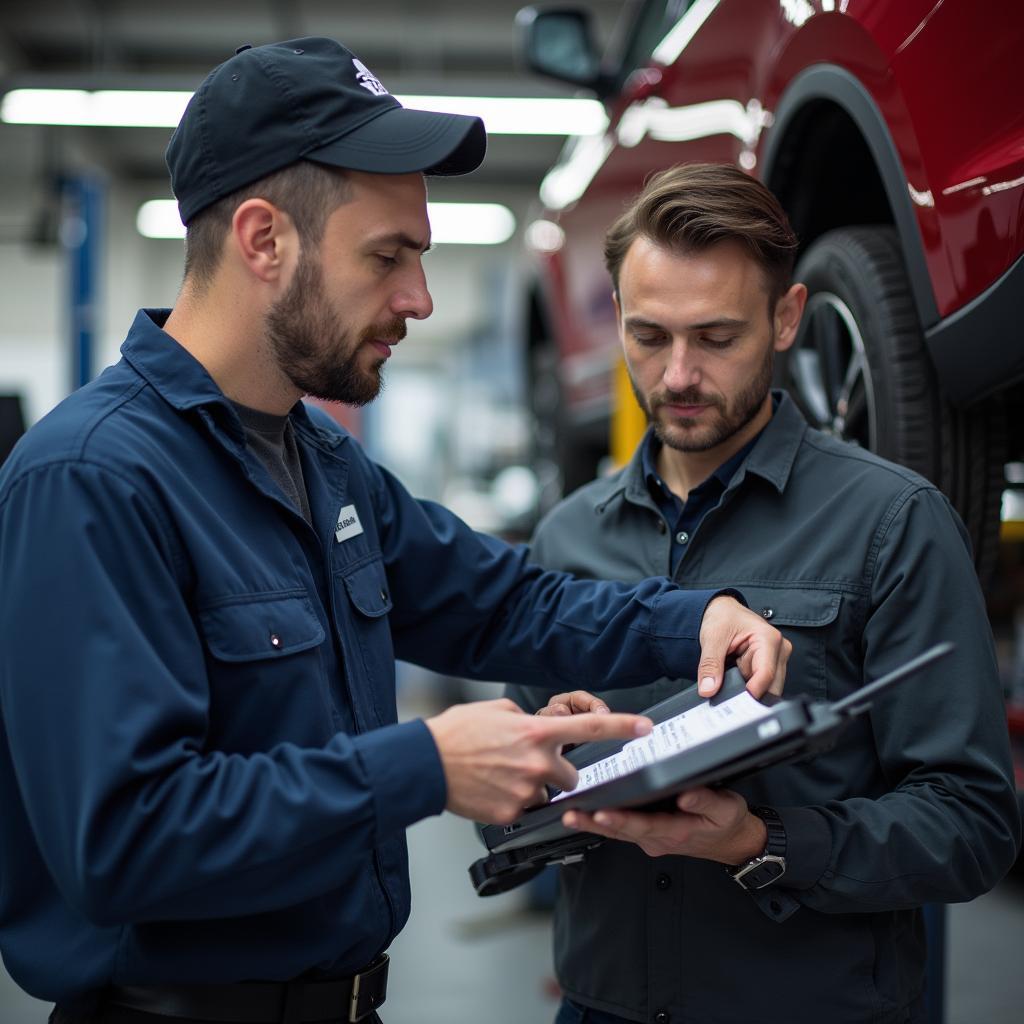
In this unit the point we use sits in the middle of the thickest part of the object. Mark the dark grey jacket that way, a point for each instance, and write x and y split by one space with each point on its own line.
862 564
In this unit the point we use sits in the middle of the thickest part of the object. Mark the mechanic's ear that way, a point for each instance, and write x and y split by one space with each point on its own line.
263 238
788 311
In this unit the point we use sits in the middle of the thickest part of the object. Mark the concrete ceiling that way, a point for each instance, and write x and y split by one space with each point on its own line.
456 47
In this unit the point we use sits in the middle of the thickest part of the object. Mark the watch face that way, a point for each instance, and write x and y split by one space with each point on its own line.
761 872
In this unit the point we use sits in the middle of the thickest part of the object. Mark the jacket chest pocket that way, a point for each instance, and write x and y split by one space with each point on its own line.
264 662
807 618
363 600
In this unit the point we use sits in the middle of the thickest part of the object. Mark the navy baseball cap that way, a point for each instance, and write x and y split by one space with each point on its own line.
306 99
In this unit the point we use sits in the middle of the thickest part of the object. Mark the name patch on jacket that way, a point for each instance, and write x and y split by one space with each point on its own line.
348 523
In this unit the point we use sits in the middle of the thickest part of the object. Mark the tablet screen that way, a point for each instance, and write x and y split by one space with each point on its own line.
705 721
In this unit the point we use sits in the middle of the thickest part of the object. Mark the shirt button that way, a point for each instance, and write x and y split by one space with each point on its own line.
275 641
662 1017
663 882
768 613
682 536
384 596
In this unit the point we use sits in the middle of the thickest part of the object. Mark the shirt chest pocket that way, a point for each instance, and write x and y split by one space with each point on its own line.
363 600
261 626
808 619
264 664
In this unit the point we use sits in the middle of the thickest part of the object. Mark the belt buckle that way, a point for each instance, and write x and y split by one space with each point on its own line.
369 989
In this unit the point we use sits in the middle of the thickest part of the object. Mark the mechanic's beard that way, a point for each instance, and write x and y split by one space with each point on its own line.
327 369
727 423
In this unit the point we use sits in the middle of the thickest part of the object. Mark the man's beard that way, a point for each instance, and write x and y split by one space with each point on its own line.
688 435
312 347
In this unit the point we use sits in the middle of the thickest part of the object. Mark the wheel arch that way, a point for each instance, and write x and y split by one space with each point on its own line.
828 120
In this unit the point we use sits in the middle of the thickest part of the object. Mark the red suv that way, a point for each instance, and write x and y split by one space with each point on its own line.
893 133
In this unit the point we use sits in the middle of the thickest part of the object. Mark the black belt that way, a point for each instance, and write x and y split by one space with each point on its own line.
264 1002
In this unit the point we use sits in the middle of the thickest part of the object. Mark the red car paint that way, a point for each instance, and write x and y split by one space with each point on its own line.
942 78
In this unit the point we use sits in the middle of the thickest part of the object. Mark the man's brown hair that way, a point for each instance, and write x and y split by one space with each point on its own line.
308 192
691 207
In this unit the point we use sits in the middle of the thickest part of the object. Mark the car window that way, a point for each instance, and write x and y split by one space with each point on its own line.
654 21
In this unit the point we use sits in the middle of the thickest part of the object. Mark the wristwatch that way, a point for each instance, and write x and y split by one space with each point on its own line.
770 866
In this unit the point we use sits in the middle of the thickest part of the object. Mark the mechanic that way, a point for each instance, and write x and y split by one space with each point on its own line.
797 896
205 790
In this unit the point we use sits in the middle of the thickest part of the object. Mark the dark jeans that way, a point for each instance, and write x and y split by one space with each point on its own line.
572 1013
123 1015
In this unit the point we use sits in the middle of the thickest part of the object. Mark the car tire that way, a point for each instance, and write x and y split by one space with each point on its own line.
565 455
859 369
544 394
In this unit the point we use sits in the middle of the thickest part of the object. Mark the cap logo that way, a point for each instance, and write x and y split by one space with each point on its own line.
367 79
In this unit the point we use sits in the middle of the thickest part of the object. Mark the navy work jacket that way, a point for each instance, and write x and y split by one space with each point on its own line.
201 774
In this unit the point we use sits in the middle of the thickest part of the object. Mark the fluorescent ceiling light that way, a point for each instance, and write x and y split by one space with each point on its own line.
123 108
470 223
450 223
115 108
520 116
158 218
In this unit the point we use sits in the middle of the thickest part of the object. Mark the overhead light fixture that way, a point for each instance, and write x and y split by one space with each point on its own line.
158 218
107 108
450 223
128 108
470 223
504 115
544 236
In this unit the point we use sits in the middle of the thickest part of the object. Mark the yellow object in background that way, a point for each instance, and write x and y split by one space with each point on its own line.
628 421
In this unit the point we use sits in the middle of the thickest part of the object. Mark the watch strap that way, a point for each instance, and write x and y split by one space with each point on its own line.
776 845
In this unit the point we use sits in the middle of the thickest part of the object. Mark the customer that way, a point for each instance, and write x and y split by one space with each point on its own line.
796 897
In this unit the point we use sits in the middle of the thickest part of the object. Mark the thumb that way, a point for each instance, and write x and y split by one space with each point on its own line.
694 801
710 670
716 635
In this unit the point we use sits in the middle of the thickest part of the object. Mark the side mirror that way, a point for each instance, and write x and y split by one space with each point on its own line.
559 43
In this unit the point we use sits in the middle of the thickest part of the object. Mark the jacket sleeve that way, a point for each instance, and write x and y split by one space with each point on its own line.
945 826
106 707
470 605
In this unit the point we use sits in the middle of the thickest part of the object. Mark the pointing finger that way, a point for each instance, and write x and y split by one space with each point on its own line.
562 775
581 728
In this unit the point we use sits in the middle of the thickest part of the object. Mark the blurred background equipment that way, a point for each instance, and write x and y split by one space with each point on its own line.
12 423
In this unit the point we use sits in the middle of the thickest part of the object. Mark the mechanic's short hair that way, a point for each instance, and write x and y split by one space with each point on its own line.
308 192
691 207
